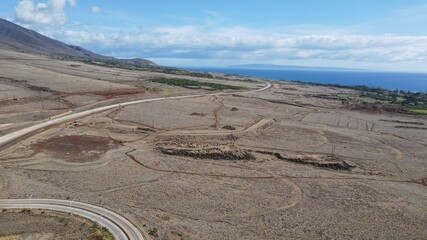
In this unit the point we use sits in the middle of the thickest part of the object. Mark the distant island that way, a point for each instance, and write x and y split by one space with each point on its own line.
290 67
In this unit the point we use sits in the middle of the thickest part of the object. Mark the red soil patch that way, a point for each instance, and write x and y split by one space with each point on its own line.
76 149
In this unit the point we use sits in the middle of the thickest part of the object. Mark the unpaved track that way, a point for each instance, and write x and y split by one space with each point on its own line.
7 139
251 127
120 227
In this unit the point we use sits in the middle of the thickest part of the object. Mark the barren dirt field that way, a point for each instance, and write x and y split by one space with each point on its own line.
275 164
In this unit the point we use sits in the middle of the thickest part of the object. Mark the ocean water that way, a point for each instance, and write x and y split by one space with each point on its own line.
388 80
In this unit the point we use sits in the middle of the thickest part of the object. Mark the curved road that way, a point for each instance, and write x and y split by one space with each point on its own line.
119 226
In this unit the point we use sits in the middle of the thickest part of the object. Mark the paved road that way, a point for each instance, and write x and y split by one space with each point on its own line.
119 226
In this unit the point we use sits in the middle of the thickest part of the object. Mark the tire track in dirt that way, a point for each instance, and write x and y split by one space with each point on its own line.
13 138
295 195
297 191
189 132
278 176
216 110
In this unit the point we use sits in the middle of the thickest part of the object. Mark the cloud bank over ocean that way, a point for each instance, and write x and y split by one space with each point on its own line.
214 37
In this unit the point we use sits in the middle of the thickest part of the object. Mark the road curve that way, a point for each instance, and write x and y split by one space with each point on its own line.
119 226
6 139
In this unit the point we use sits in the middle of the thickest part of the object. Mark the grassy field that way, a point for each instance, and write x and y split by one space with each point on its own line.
186 82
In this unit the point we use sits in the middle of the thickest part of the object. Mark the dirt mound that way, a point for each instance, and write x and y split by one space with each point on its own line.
217 153
323 161
410 127
77 148
404 122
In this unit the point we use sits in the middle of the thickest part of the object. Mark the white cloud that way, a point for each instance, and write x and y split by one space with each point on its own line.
51 12
95 9
250 44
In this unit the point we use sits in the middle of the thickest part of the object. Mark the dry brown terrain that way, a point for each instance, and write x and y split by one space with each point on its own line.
43 225
276 164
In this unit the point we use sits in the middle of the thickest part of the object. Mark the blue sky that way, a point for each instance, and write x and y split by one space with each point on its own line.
380 34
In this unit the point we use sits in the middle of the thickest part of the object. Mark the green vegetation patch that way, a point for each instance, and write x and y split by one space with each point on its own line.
186 82
103 232
417 111
148 68
395 101
153 232
26 211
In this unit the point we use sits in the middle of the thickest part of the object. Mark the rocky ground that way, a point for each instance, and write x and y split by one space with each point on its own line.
277 164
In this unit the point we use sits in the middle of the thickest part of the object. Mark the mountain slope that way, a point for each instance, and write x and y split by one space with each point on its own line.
17 38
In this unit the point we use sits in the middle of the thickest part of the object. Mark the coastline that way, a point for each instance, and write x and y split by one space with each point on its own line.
413 82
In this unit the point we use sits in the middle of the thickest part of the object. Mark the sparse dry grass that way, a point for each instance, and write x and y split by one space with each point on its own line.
266 197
